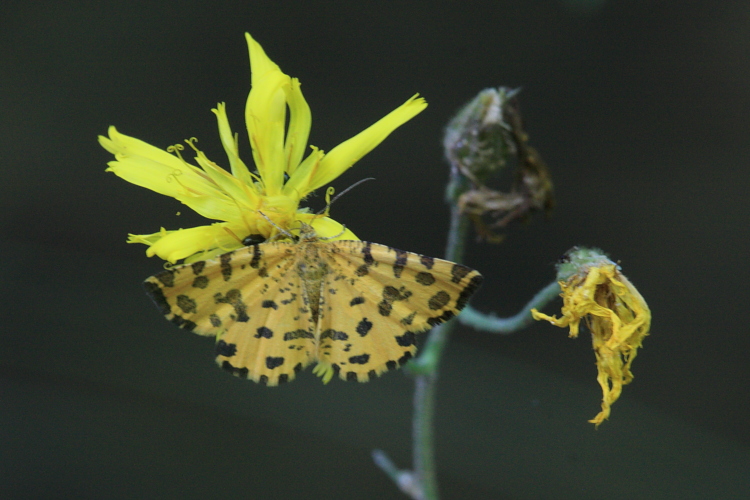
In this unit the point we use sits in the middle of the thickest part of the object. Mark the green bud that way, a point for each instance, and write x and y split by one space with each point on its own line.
477 140
578 260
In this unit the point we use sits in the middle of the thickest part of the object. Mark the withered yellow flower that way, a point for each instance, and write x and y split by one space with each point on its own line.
250 204
594 289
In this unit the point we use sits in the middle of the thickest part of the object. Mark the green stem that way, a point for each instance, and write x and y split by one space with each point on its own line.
423 439
425 369
421 483
492 324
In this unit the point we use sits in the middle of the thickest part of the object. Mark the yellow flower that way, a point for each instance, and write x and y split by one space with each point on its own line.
242 200
616 315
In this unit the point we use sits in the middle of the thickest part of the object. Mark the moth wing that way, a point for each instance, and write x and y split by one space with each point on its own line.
250 300
377 298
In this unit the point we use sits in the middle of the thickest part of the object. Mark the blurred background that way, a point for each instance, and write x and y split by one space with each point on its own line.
640 110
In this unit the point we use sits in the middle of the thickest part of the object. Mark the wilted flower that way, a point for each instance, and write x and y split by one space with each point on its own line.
594 289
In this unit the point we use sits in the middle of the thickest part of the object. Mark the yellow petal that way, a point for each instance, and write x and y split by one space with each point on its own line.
350 151
147 166
231 185
300 121
229 141
265 117
182 243
297 184
327 228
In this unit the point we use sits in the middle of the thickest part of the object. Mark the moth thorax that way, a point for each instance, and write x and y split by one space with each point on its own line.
312 271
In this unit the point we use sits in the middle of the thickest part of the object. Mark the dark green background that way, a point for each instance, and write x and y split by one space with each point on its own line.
639 108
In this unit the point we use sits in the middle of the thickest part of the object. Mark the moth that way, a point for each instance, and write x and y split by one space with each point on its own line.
353 307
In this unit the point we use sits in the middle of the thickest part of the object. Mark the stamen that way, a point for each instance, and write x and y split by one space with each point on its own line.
191 142
176 148
329 193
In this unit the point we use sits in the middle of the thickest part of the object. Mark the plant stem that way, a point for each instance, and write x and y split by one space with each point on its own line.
492 324
425 369
421 483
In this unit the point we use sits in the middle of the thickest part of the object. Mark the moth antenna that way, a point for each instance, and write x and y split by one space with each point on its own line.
342 193
283 231
326 238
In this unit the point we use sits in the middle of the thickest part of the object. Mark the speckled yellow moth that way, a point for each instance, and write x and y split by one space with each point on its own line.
352 306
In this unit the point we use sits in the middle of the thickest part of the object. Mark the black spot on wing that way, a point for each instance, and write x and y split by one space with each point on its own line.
187 304
198 267
200 282
270 304
385 308
367 254
225 262
424 278
333 335
439 300
468 291
237 372
403 359
362 270
298 334
356 301
458 272
255 261
274 362
166 278
406 339
234 298
226 350
409 319
426 261
264 332
362 359
436 320
363 327
351 376
157 295
283 378
402 259
390 295
215 320
183 323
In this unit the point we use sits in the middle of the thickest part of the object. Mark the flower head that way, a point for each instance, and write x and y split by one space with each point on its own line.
248 203
616 315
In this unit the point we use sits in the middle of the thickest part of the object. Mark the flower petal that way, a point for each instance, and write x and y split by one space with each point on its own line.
329 229
300 122
148 166
229 141
203 242
350 151
265 117
297 184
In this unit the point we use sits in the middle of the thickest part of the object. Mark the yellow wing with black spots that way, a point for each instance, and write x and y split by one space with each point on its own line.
251 301
377 298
